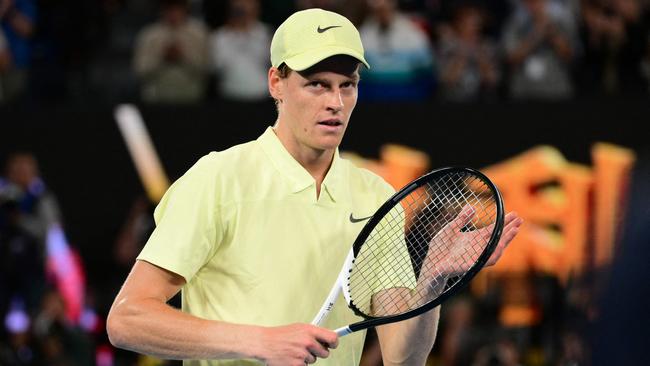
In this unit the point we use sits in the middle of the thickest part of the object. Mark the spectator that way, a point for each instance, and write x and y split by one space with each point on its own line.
61 343
171 57
540 44
468 62
239 51
5 62
18 18
400 55
27 209
615 39
495 12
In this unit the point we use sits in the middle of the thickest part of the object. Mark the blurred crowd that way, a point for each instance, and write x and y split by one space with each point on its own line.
37 326
189 51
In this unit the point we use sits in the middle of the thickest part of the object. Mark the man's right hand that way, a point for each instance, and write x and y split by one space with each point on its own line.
295 344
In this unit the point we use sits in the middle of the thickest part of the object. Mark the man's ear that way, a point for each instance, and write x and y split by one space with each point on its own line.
275 84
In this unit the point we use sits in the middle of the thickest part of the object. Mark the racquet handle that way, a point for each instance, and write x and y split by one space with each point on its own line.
343 331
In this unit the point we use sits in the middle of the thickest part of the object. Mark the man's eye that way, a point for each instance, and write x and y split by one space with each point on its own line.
349 84
315 84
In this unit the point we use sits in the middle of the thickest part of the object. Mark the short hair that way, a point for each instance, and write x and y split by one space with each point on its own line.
283 71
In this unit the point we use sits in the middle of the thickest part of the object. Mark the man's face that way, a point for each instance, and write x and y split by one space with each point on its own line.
316 104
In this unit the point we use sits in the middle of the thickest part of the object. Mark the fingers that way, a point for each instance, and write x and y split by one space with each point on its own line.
324 340
510 217
512 224
327 338
296 344
511 229
310 358
465 216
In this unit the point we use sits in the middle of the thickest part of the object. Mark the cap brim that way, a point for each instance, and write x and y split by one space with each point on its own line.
310 58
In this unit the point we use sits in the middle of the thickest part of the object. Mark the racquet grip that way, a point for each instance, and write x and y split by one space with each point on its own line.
343 331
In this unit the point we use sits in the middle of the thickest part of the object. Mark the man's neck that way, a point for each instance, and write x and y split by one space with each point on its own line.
316 162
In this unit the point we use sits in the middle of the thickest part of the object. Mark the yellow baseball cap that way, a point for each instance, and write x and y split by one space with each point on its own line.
309 36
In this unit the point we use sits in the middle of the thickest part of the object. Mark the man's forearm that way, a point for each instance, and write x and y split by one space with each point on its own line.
150 327
409 342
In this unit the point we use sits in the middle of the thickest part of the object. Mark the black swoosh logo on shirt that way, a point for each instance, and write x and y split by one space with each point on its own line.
321 30
355 220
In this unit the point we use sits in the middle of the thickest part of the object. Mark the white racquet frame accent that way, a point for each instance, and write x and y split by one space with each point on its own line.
339 285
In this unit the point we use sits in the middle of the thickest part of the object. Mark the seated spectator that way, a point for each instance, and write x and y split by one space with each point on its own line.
468 62
399 54
17 20
239 51
540 44
171 57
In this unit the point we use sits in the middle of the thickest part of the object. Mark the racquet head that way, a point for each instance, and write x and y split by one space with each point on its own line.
423 245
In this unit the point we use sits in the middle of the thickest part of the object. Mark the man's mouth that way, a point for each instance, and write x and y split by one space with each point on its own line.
330 122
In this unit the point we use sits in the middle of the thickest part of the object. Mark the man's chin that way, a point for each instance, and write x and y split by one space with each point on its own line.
330 143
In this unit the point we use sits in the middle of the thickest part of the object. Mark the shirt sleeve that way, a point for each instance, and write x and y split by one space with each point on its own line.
188 225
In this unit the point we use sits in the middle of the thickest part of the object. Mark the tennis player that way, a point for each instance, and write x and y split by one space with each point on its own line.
254 235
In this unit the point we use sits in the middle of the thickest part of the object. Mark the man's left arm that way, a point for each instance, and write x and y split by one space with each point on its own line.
409 342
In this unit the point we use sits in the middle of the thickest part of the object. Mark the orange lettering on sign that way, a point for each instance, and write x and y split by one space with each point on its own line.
572 215
613 166
560 202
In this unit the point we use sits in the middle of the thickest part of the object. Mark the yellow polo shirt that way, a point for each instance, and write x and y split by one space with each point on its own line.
256 246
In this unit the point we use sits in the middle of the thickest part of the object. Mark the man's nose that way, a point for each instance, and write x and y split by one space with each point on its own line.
335 101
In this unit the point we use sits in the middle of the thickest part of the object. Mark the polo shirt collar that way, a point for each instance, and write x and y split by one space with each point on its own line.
300 178
334 182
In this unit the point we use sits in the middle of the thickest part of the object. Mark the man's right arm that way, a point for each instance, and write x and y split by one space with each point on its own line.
141 321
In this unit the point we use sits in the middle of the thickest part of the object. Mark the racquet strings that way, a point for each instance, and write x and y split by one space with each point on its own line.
422 246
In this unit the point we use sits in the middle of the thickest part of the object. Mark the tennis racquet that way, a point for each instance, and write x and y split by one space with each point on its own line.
421 247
